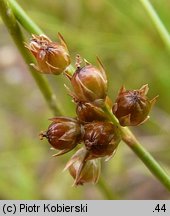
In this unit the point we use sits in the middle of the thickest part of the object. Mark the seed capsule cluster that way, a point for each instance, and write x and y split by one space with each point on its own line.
90 131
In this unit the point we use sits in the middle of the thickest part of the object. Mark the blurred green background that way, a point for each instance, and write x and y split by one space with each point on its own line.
123 36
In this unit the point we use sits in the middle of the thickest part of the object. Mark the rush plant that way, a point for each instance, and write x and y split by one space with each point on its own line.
100 124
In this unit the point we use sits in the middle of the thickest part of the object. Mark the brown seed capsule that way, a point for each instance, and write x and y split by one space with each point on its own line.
52 57
90 83
101 139
63 134
83 171
87 112
132 106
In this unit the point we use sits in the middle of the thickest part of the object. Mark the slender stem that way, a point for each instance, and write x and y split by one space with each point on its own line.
13 28
10 21
146 157
127 135
24 19
110 116
157 22
129 138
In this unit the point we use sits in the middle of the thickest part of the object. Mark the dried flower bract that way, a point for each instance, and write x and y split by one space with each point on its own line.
83 171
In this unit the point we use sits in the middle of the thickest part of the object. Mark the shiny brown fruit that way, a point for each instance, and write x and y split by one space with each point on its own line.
101 139
52 57
63 134
87 112
133 106
90 83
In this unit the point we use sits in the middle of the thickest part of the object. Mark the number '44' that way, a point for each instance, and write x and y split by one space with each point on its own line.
160 208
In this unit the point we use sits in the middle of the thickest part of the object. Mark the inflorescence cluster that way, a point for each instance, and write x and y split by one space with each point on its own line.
91 128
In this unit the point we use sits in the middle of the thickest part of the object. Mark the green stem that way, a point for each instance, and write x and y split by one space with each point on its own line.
129 138
157 22
110 116
24 19
13 28
127 135
145 156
